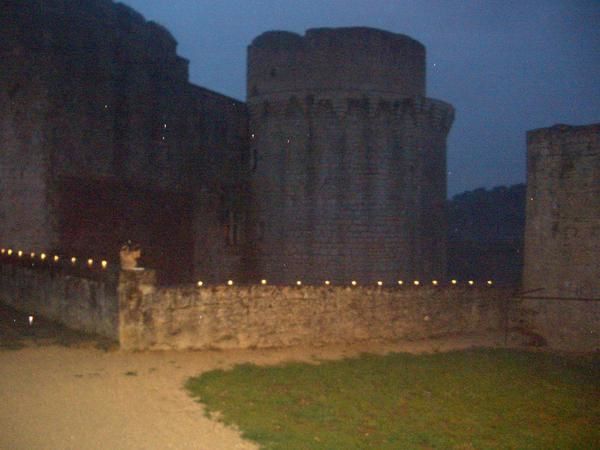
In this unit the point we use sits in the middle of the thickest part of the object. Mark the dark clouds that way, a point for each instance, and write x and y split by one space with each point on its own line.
506 66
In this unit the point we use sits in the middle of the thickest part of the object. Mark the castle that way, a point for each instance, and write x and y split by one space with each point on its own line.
334 168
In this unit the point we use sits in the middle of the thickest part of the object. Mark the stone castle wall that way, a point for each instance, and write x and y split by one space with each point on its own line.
562 233
95 97
563 211
24 161
78 297
349 167
347 61
141 315
280 316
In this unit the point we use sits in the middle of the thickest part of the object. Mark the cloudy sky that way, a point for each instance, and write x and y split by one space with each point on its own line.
506 66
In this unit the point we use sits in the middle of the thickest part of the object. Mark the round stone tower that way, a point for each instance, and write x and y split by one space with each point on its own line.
348 158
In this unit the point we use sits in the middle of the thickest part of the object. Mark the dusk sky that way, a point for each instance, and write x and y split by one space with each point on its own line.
506 66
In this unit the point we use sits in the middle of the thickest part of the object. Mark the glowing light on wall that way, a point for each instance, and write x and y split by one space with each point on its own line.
454 282
434 282
73 260
327 282
380 283
56 258
416 282
9 251
229 282
298 283
471 282
400 282
200 284
43 256
3 251
90 262
20 253
354 283
32 255
490 282
104 264
263 281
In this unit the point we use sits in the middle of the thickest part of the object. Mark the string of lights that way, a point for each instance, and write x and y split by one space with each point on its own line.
103 264
354 283
54 259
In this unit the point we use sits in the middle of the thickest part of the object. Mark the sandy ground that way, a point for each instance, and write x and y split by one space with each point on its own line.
77 396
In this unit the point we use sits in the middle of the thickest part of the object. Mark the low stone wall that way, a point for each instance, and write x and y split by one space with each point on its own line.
141 315
570 325
222 317
85 304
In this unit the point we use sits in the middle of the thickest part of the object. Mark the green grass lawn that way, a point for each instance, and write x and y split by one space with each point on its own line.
476 399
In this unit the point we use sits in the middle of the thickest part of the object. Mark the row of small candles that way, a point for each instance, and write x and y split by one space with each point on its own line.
104 264
45 257
378 283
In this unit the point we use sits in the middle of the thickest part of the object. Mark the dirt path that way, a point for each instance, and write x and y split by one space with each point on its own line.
81 397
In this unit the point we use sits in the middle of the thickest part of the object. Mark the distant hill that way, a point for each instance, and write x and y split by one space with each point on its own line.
485 234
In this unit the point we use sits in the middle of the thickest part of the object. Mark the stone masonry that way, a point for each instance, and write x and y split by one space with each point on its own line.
348 157
103 139
335 168
221 317
562 234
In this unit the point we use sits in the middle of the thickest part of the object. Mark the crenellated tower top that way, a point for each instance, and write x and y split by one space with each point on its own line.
338 62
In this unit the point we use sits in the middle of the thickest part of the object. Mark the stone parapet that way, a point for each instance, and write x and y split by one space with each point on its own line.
281 316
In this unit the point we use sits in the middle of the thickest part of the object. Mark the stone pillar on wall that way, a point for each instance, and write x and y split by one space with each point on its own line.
134 287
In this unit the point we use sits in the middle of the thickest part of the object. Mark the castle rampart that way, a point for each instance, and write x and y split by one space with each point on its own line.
563 210
341 61
99 126
562 234
349 161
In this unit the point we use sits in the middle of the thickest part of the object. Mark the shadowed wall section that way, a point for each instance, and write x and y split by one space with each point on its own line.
102 215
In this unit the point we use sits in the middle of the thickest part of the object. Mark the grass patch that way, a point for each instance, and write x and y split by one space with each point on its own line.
477 399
